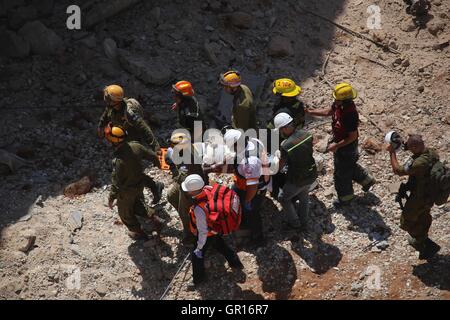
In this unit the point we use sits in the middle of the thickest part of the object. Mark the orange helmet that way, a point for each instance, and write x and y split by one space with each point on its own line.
184 88
230 79
115 134
113 93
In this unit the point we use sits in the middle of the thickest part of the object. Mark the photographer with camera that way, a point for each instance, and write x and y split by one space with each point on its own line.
416 218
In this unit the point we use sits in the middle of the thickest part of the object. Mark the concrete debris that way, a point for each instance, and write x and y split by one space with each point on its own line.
75 220
151 71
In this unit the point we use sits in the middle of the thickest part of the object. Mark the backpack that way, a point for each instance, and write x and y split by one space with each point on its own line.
439 183
133 109
224 209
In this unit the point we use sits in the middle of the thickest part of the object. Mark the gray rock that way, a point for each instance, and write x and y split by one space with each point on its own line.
28 240
209 52
280 46
153 71
75 220
436 27
241 20
101 289
13 45
110 48
42 40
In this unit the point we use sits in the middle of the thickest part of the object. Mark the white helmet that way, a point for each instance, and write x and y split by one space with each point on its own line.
394 139
192 182
231 136
281 120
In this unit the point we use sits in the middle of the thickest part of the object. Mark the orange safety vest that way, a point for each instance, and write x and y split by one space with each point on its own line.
201 200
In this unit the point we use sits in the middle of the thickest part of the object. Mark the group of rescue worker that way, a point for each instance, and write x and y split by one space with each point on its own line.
133 141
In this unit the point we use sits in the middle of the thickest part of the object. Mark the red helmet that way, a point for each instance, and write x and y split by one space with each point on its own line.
184 88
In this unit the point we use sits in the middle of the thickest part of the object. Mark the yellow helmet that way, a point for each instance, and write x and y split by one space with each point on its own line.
113 93
344 91
116 135
179 138
286 87
230 78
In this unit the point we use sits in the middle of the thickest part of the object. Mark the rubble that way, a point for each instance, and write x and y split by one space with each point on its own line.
151 71
42 40
322 262
280 46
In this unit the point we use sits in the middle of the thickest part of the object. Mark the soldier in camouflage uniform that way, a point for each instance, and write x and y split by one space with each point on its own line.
416 218
177 198
129 115
128 182
243 111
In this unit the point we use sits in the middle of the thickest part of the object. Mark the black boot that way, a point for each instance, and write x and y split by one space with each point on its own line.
430 248
157 193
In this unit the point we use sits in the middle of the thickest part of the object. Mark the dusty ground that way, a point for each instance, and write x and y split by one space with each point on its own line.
407 91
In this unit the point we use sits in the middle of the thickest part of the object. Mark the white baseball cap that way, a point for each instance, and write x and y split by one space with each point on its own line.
192 182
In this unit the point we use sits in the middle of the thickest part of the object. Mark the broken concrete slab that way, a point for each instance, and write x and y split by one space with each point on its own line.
152 71
75 220
256 84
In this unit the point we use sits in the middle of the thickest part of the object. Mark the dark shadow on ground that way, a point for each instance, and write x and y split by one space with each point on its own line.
309 245
365 219
435 272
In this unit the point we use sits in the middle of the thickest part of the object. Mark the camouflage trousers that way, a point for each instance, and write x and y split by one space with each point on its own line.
130 204
182 203
416 219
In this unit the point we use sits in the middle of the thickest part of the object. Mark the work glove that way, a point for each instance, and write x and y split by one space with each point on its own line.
198 253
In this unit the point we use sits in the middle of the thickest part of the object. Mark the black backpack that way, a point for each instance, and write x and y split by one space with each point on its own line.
439 183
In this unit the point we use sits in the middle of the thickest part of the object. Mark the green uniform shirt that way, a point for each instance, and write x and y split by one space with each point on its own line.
188 112
128 171
244 111
293 107
419 174
298 150
130 117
